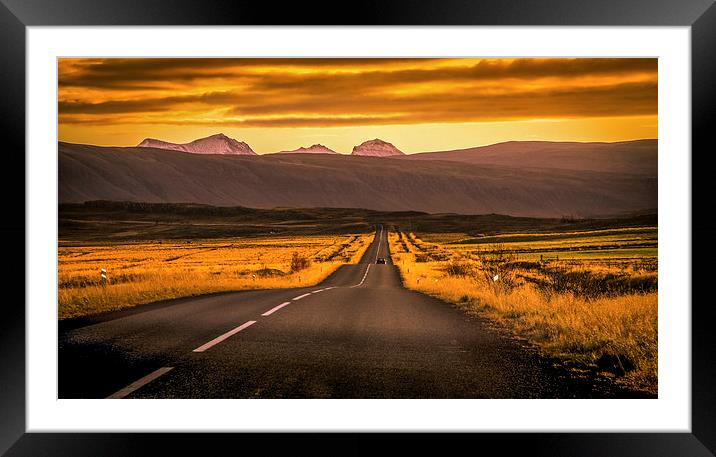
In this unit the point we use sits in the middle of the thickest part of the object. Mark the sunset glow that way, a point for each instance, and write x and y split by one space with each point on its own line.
416 104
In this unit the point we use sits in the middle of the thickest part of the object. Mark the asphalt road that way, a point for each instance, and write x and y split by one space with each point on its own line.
359 334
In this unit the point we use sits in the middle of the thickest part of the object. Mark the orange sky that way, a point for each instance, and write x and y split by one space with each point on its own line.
416 104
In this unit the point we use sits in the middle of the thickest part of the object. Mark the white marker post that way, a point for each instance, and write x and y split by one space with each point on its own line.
103 276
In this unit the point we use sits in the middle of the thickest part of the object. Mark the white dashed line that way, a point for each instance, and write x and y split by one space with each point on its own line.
365 275
380 236
221 338
274 309
141 382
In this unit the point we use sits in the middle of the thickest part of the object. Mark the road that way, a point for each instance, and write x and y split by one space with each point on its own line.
359 334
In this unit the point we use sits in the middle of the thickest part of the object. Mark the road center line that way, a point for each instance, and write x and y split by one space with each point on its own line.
377 251
301 296
221 338
276 308
141 382
365 275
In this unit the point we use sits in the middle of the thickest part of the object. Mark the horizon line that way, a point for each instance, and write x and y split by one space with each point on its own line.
349 153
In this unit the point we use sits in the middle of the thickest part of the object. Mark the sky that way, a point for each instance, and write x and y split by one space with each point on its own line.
416 104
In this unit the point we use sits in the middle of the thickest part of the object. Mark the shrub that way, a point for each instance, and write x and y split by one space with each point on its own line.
497 266
457 268
587 284
269 273
524 265
422 258
299 262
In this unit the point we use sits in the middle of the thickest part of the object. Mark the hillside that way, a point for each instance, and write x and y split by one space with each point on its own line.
638 157
332 180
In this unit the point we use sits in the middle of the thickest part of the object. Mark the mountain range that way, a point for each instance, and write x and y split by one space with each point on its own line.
538 179
638 157
214 144
222 144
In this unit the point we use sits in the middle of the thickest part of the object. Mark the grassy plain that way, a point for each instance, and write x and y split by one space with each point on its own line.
123 221
146 271
588 298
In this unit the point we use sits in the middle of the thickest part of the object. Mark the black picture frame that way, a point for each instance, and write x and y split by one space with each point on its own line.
16 15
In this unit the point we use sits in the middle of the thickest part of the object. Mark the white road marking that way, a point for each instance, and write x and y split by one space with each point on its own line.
380 236
318 291
276 308
221 338
141 382
365 275
301 296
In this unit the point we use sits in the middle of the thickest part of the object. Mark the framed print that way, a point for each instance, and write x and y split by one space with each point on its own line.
464 222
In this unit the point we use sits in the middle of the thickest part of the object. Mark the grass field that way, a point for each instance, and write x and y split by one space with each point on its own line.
134 221
588 298
147 271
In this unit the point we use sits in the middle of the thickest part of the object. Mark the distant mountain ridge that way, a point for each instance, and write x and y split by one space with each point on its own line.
313 149
633 157
214 144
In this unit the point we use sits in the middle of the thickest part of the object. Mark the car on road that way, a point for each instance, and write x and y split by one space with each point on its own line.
380 260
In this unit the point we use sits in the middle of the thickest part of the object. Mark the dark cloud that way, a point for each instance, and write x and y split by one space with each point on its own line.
482 71
145 105
142 74
127 74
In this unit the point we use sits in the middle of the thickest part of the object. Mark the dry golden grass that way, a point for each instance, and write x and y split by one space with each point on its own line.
585 330
145 272
608 244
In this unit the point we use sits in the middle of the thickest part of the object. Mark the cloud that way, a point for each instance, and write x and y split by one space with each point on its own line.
144 105
485 70
142 73
340 92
